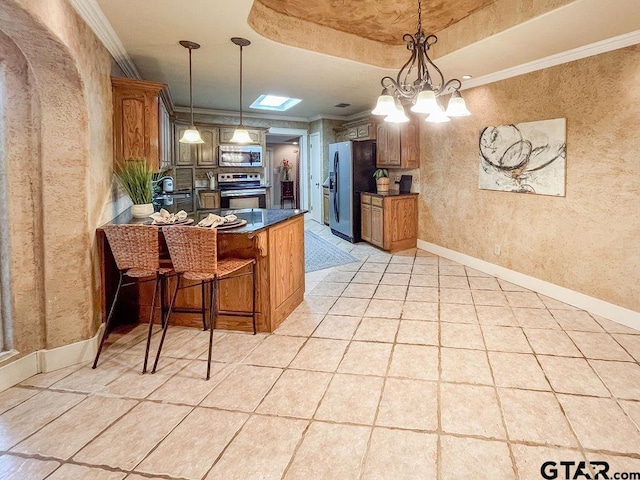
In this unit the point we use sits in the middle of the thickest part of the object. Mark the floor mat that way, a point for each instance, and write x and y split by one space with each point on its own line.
320 254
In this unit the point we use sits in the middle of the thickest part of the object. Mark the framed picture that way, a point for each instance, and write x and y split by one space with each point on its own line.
524 157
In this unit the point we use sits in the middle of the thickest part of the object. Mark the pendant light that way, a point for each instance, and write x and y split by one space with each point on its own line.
190 135
241 135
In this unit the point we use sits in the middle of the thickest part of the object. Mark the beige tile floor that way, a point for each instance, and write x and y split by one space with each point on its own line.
395 367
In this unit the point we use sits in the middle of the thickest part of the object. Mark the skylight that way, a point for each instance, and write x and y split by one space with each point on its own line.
274 102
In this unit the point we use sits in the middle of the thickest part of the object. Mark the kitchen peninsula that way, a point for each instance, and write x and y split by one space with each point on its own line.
275 238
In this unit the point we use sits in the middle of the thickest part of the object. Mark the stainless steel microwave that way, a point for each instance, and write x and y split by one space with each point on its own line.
240 155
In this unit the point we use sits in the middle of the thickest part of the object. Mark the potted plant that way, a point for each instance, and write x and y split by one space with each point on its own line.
382 180
135 177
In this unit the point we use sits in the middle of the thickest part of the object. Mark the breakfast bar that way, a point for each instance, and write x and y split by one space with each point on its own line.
274 238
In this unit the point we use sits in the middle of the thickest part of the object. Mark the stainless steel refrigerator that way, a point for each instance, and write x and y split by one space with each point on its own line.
351 167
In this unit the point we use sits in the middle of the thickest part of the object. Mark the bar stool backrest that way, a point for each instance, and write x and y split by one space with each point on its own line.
134 246
192 249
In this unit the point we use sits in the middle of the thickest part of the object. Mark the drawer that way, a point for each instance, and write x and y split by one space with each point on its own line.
376 201
364 198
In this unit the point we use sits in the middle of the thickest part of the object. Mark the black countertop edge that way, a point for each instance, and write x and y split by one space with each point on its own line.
389 194
257 218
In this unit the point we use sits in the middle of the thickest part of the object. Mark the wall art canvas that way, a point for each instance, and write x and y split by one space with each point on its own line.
524 157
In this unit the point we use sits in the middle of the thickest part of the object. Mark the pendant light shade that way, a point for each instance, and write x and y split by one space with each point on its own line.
241 135
191 135
437 116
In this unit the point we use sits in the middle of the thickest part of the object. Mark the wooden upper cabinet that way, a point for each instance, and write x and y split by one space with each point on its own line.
137 119
388 145
207 152
199 155
397 145
363 129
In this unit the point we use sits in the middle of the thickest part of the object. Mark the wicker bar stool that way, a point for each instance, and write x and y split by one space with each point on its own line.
194 255
136 250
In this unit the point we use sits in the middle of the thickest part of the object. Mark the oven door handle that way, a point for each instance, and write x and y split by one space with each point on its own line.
243 193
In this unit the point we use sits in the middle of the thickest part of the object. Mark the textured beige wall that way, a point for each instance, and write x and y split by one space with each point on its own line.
587 241
72 110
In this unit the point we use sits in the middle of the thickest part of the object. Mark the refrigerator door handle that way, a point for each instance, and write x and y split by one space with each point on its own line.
336 188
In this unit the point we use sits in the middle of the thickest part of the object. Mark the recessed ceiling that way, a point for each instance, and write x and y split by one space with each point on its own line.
381 21
346 73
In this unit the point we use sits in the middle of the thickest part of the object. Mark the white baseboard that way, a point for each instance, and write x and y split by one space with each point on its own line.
604 309
44 361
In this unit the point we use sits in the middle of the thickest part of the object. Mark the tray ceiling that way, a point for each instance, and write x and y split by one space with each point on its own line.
381 21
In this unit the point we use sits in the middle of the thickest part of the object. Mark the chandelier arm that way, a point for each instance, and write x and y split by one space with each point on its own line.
450 84
406 69
435 67
398 91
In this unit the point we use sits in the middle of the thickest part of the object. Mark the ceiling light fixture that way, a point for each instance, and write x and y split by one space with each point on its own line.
190 135
422 91
241 135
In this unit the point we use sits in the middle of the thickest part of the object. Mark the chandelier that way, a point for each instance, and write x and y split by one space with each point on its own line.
419 82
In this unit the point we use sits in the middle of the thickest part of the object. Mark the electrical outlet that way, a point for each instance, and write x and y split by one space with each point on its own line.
496 249
396 178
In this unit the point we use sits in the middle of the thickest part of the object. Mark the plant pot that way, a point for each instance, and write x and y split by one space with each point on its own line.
382 184
142 211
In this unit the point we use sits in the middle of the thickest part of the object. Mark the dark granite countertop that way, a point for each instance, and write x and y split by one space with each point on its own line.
391 193
257 218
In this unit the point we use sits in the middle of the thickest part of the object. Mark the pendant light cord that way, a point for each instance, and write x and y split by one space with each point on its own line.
419 16
190 87
241 124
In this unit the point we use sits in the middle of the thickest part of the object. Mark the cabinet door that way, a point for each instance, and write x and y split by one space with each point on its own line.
352 133
366 222
185 152
136 120
388 145
207 151
166 136
377 226
410 152
364 132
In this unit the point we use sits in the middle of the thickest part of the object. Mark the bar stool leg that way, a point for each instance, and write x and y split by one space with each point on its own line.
212 318
204 306
151 315
253 303
165 325
108 322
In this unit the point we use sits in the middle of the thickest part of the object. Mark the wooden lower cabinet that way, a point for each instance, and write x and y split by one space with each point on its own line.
390 221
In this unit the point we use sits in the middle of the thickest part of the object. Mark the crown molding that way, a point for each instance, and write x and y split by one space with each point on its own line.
614 43
235 113
328 117
92 14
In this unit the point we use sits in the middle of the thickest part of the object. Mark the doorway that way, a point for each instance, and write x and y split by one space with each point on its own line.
316 180
291 145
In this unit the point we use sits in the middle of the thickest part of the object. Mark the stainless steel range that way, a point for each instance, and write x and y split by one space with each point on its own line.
242 190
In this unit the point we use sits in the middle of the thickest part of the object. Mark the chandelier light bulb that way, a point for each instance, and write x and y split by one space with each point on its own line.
397 116
426 102
457 107
386 105
437 116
